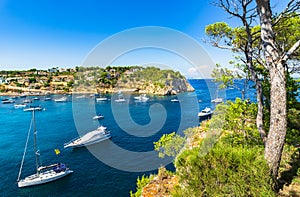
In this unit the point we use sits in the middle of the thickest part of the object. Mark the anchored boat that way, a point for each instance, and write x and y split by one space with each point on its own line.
44 174
92 137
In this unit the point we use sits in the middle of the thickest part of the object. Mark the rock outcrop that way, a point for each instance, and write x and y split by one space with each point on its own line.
171 86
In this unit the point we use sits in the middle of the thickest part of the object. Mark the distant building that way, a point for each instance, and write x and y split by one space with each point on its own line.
53 70
62 70
72 69
2 80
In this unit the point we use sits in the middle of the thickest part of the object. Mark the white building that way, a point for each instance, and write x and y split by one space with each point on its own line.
2 81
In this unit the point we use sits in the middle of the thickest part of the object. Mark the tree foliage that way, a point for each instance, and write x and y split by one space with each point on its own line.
140 183
169 145
225 170
267 51
240 123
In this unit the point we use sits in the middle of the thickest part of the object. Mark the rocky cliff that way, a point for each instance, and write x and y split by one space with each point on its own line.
155 81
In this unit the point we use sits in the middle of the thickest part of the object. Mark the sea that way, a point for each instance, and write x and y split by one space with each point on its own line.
112 167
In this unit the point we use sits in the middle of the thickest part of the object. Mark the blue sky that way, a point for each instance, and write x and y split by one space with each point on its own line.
43 34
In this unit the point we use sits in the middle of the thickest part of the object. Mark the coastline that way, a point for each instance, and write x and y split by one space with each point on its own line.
35 92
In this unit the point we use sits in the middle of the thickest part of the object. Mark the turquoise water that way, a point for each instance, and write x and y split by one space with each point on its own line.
56 125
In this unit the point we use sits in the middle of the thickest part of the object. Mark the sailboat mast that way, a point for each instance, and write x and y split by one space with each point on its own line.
35 146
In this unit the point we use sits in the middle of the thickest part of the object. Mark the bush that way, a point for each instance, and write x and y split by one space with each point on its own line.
141 182
224 171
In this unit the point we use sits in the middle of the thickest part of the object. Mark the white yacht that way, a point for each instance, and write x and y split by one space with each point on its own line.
217 100
33 108
80 96
120 100
62 99
20 105
205 112
92 137
98 117
101 99
174 100
142 97
44 174
7 101
27 101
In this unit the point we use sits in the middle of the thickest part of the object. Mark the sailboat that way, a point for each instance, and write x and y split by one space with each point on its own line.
217 99
44 174
120 99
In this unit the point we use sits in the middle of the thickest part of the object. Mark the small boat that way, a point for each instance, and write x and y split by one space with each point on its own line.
217 100
98 117
142 97
205 112
33 108
120 99
101 99
20 105
36 98
7 101
23 96
62 99
27 101
47 99
80 97
92 137
174 100
44 174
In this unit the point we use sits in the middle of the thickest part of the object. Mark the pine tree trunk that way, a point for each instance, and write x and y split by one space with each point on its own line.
260 113
259 100
277 132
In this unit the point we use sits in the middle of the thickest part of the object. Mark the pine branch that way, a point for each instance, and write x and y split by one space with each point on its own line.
291 51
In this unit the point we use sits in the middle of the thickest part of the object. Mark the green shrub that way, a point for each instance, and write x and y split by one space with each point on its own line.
169 145
224 171
141 182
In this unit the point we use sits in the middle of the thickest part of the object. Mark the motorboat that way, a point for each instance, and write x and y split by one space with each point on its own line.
101 99
7 101
174 100
217 100
142 97
27 101
80 96
98 117
120 100
205 112
62 99
44 174
22 105
92 137
33 108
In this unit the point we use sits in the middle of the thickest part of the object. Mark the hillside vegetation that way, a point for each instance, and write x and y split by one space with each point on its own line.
223 157
150 80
